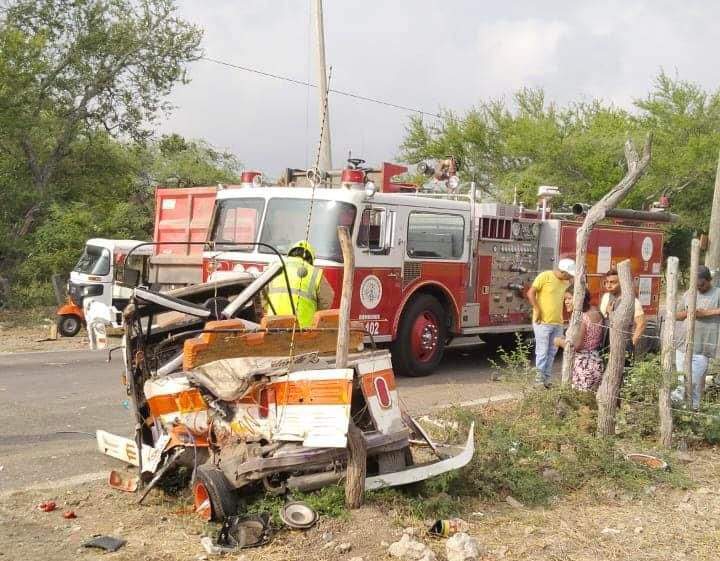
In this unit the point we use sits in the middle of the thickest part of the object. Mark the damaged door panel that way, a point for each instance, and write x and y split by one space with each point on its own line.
261 406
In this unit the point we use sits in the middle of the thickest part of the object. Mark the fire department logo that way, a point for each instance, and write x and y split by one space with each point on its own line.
647 248
370 292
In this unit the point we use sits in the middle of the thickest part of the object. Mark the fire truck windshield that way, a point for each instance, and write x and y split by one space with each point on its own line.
286 221
237 220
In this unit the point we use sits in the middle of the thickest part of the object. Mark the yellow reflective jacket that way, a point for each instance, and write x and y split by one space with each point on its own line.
304 291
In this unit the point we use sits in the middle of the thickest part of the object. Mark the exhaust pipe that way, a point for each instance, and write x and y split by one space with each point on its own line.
628 214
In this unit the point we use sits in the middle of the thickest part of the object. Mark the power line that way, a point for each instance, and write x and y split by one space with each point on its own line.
311 85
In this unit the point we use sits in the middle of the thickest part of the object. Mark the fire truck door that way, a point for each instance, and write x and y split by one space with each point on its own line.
377 271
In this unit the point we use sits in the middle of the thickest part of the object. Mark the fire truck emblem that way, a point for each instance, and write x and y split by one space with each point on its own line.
370 292
647 248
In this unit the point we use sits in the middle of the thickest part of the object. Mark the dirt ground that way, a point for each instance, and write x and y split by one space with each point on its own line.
24 331
659 524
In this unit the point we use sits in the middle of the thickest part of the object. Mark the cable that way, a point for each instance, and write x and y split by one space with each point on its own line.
352 95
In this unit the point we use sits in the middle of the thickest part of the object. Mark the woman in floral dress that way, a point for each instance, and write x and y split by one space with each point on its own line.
588 364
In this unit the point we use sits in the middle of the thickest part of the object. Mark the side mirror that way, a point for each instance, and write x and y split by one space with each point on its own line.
130 277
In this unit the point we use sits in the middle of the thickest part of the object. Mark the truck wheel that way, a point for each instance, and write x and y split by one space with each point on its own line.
213 497
69 325
420 343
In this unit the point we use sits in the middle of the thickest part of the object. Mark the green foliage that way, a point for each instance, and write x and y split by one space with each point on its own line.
329 501
639 415
515 361
535 449
579 147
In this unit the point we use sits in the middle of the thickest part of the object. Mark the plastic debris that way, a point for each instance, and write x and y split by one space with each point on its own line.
108 543
47 506
239 532
69 514
449 527
123 482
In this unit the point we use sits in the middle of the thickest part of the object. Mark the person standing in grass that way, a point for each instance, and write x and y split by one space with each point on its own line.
707 326
546 297
587 371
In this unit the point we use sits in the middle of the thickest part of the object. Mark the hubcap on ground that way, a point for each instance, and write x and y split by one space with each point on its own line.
424 336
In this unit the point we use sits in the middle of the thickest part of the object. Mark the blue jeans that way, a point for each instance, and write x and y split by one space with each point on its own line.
545 349
699 366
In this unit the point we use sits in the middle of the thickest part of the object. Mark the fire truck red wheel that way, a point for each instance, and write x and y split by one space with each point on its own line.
421 337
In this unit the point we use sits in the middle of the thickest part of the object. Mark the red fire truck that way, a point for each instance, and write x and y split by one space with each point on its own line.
429 267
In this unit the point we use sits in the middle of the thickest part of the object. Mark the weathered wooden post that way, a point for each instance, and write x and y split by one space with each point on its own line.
357 447
636 168
668 353
620 321
690 320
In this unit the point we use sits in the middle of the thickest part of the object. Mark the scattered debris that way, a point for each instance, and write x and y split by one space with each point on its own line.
610 531
327 536
461 547
213 549
298 515
356 559
449 527
239 532
408 549
343 548
648 461
330 545
69 514
108 543
513 502
638 530
123 482
47 506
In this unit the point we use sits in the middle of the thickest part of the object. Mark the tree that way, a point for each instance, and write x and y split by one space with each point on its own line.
68 69
187 163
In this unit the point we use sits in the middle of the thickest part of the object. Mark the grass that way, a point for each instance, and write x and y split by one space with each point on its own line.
535 449
30 317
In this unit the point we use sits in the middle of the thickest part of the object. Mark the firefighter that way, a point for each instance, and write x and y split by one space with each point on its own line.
310 289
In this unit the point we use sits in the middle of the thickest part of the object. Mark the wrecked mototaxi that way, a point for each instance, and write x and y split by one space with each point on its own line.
248 402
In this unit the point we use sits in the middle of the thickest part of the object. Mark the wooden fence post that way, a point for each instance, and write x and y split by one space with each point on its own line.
357 447
668 353
620 321
690 321
636 167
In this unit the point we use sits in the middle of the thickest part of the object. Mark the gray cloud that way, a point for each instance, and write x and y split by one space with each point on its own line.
422 54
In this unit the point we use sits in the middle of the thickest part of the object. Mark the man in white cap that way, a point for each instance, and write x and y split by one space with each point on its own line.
546 296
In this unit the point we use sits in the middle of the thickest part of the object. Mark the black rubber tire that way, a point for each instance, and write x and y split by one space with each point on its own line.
69 325
224 501
404 362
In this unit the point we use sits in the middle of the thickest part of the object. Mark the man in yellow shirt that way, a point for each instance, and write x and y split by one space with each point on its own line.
546 296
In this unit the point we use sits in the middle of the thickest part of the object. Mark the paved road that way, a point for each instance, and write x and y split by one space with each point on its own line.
51 403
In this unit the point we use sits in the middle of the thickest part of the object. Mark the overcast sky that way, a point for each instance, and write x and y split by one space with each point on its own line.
424 54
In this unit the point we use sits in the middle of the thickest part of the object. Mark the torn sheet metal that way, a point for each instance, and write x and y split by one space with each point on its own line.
419 473
126 450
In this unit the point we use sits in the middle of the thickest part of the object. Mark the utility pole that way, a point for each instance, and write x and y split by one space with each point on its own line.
325 162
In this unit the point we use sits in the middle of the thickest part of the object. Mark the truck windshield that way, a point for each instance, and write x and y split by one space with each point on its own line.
237 221
286 221
94 261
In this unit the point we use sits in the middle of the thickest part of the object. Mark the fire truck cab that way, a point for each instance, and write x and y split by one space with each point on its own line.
428 267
